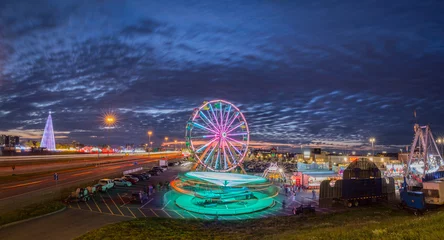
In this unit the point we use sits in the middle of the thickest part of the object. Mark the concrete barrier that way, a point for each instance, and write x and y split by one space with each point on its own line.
132 170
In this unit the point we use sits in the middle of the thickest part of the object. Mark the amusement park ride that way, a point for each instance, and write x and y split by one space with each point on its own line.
424 175
217 135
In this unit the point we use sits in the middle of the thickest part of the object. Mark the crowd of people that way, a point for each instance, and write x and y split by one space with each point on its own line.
151 189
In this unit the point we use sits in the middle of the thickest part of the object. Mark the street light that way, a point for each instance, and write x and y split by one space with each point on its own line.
166 140
149 139
440 141
372 140
109 119
175 144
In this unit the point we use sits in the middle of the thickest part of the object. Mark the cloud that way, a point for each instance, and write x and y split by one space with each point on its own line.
319 73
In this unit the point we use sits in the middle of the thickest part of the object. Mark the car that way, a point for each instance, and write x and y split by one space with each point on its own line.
146 174
100 188
106 184
153 172
164 168
122 182
139 176
130 178
159 169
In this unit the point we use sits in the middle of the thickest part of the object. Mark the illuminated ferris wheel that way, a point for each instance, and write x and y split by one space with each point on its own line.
217 135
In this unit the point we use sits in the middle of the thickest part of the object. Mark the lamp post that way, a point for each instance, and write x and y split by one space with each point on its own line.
175 144
149 140
110 120
440 141
372 140
166 140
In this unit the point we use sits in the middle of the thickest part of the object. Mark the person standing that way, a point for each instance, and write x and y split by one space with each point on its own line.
314 194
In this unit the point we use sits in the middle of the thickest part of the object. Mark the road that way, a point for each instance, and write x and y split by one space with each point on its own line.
34 164
18 194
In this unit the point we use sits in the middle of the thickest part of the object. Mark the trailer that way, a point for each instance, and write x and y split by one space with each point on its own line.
361 184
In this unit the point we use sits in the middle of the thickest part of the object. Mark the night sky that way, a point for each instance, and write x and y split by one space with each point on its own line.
327 73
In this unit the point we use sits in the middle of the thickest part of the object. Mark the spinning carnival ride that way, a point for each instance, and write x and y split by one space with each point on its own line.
424 157
217 135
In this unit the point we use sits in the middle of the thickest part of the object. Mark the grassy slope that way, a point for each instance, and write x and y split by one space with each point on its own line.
368 223
30 211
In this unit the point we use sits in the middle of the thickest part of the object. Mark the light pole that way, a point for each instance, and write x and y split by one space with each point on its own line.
149 140
166 140
372 140
110 120
440 141
175 144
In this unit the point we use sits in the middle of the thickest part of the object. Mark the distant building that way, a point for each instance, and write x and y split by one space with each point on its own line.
9 141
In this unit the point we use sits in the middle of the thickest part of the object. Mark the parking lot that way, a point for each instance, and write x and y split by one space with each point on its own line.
117 202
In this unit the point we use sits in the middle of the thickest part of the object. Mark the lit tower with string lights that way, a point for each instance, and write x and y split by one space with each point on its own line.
48 140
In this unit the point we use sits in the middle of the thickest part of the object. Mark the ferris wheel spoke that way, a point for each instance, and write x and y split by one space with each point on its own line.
234 128
231 153
206 145
208 122
226 118
204 136
237 134
221 115
209 155
235 148
236 141
226 158
203 127
204 153
216 165
231 121
214 115
213 157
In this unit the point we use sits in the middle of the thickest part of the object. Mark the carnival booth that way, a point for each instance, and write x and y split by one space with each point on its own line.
274 173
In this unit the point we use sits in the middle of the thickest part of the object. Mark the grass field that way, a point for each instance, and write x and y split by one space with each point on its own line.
364 223
30 211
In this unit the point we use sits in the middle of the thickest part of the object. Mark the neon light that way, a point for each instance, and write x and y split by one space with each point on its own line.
48 140
202 127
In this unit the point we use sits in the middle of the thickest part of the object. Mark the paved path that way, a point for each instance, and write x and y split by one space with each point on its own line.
68 224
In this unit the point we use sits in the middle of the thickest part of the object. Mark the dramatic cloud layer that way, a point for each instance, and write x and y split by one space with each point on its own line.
328 73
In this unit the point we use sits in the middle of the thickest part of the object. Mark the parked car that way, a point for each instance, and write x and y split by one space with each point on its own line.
122 182
106 184
139 176
153 172
158 169
164 168
146 174
132 179
100 188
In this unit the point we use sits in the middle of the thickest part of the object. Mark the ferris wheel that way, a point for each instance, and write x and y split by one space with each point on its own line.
217 135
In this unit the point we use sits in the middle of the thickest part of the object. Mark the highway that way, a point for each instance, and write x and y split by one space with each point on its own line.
44 186
35 164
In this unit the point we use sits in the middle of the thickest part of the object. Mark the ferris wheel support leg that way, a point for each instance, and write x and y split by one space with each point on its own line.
242 169
195 166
